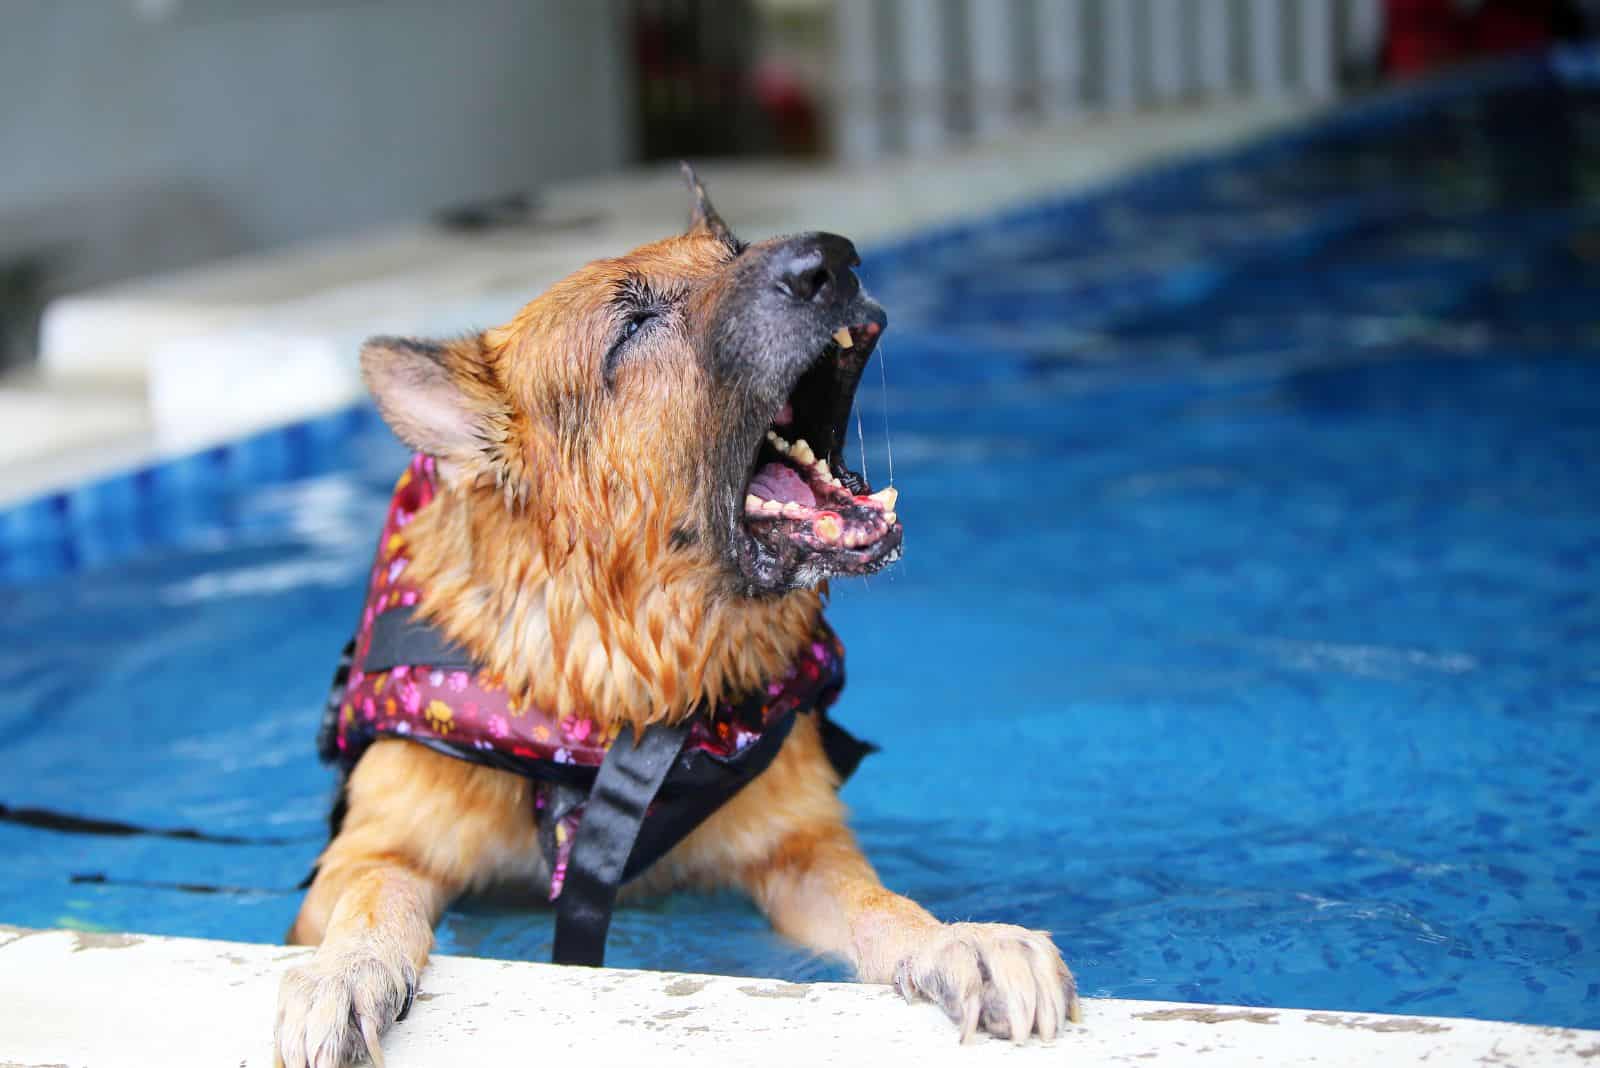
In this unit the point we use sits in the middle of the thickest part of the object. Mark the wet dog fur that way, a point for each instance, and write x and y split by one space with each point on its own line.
586 545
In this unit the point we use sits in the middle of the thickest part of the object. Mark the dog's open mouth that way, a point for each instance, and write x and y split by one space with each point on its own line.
811 514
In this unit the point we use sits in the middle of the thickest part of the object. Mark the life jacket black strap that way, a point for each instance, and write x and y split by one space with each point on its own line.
844 750
400 638
627 783
328 733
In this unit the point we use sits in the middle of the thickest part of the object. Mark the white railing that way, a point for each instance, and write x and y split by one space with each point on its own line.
916 75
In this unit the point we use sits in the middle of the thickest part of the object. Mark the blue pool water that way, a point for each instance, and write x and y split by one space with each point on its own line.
1247 637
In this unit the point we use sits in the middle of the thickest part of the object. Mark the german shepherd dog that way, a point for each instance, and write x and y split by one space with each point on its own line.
622 529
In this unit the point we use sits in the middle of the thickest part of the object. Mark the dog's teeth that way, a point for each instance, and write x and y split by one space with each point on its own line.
802 452
771 508
889 518
842 336
795 510
752 503
777 442
828 528
886 497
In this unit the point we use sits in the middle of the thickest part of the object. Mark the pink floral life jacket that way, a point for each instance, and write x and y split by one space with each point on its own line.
455 708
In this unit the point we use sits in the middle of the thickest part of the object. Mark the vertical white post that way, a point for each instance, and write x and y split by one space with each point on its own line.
1317 59
924 74
1266 47
1119 62
1217 32
858 113
1363 34
1060 25
992 34
1169 67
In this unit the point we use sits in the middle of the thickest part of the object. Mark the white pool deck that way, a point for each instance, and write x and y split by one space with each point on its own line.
162 365
79 1000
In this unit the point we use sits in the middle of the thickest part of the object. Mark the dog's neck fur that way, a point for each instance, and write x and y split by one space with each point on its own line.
623 628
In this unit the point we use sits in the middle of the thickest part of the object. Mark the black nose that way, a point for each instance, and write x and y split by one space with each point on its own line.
816 268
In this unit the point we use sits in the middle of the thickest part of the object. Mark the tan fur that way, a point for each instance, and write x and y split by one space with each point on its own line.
549 555
550 551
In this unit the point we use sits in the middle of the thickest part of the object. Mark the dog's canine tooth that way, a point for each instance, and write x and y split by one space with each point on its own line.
802 452
842 336
887 497
827 527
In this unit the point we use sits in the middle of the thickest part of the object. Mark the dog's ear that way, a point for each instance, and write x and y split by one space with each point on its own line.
424 396
703 216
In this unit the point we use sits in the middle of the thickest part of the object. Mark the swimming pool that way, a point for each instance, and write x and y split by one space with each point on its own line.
1253 498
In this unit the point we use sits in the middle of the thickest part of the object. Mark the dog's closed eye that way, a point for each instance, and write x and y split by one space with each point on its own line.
638 305
636 323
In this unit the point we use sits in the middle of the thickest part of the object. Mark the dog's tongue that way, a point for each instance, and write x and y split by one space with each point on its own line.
778 482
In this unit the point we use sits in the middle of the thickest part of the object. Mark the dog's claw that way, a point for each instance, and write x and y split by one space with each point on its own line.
369 1035
902 981
971 1013
411 995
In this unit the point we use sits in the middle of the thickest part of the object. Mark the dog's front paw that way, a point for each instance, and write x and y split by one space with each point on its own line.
333 1009
1006 979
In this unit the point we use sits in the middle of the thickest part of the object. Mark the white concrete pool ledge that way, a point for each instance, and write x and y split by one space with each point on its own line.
82 1000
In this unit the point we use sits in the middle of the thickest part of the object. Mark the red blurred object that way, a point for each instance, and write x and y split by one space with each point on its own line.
1425 34
790 106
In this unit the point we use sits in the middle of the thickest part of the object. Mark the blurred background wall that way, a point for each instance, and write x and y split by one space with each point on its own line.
143 135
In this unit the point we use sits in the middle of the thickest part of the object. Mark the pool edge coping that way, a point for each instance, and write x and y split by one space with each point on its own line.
89 999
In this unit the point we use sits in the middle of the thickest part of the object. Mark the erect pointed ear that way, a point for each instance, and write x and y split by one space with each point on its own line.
423 395
703 216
